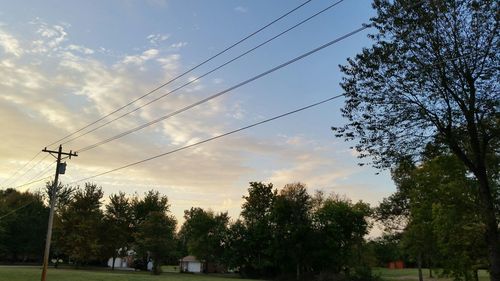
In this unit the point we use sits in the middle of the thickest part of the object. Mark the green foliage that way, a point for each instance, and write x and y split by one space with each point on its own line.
77 229
443 226
22 230
155 234
340 227
431 75
117 226
292 227
154 228
205 234
253 233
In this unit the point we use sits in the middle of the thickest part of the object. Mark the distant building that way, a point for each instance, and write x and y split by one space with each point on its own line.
190 264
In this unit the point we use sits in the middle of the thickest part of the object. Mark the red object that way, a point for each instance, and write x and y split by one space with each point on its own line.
396 265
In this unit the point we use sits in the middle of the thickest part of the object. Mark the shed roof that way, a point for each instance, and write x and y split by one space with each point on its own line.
189 258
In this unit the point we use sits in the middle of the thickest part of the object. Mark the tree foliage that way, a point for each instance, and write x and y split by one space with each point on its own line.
431 75
22 226
79 224
154 228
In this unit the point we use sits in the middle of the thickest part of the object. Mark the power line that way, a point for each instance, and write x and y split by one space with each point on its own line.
43 171
32 182
25 205
17 209
18 170
224 91
205 74
31 168
159 87
213 138
184 73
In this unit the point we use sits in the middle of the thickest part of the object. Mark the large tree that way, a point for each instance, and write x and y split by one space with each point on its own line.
256 220
117 226
79 224
153 227
205 234
292 228
432 73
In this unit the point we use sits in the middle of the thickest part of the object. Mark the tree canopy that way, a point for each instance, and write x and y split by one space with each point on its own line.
431 75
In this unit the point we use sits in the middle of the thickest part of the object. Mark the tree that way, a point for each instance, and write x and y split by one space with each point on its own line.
205 234
155 234
153 227
255 228
432 72
23 225
79 224
291 226
442 221
117 232
341 226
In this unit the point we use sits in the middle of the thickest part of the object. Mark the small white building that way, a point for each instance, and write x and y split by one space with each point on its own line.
190 264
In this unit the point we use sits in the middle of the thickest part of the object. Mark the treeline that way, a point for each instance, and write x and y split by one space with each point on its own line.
288 234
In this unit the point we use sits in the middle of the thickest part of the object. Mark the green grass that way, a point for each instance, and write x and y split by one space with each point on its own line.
21 273
411 274
25 273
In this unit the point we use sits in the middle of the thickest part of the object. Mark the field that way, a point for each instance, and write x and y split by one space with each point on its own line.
24 273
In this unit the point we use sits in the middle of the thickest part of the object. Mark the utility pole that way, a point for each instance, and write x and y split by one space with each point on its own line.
60 169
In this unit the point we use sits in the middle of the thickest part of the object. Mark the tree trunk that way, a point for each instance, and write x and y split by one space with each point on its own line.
298 271
430 271
419 263
492 235
113 262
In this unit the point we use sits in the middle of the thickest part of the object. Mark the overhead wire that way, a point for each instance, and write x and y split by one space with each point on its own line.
31 168
18 170
165 84
184 73
191 81
212 138
224 91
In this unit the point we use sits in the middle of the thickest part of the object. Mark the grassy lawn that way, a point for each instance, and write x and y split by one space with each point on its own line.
410 274
17 273
25 273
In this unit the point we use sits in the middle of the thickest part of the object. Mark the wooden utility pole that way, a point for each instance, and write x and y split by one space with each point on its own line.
60 169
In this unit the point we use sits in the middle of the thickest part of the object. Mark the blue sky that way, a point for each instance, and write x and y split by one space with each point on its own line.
66 63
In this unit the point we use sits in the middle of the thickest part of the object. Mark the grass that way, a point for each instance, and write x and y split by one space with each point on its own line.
28 273
25 273
411 274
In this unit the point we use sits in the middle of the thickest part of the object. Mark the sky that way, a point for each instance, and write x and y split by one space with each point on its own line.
65 64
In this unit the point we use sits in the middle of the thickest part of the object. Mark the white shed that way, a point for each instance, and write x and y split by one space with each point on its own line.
190 264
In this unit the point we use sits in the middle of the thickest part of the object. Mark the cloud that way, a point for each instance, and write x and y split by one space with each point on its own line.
55 35
155 39
80 49
179 45
140 59
241 9
10 44
73 86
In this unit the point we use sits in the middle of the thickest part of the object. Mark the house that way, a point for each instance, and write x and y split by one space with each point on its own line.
190 264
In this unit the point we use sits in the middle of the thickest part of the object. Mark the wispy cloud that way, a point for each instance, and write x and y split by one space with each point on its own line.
156 39
241 9
179 45
10 44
